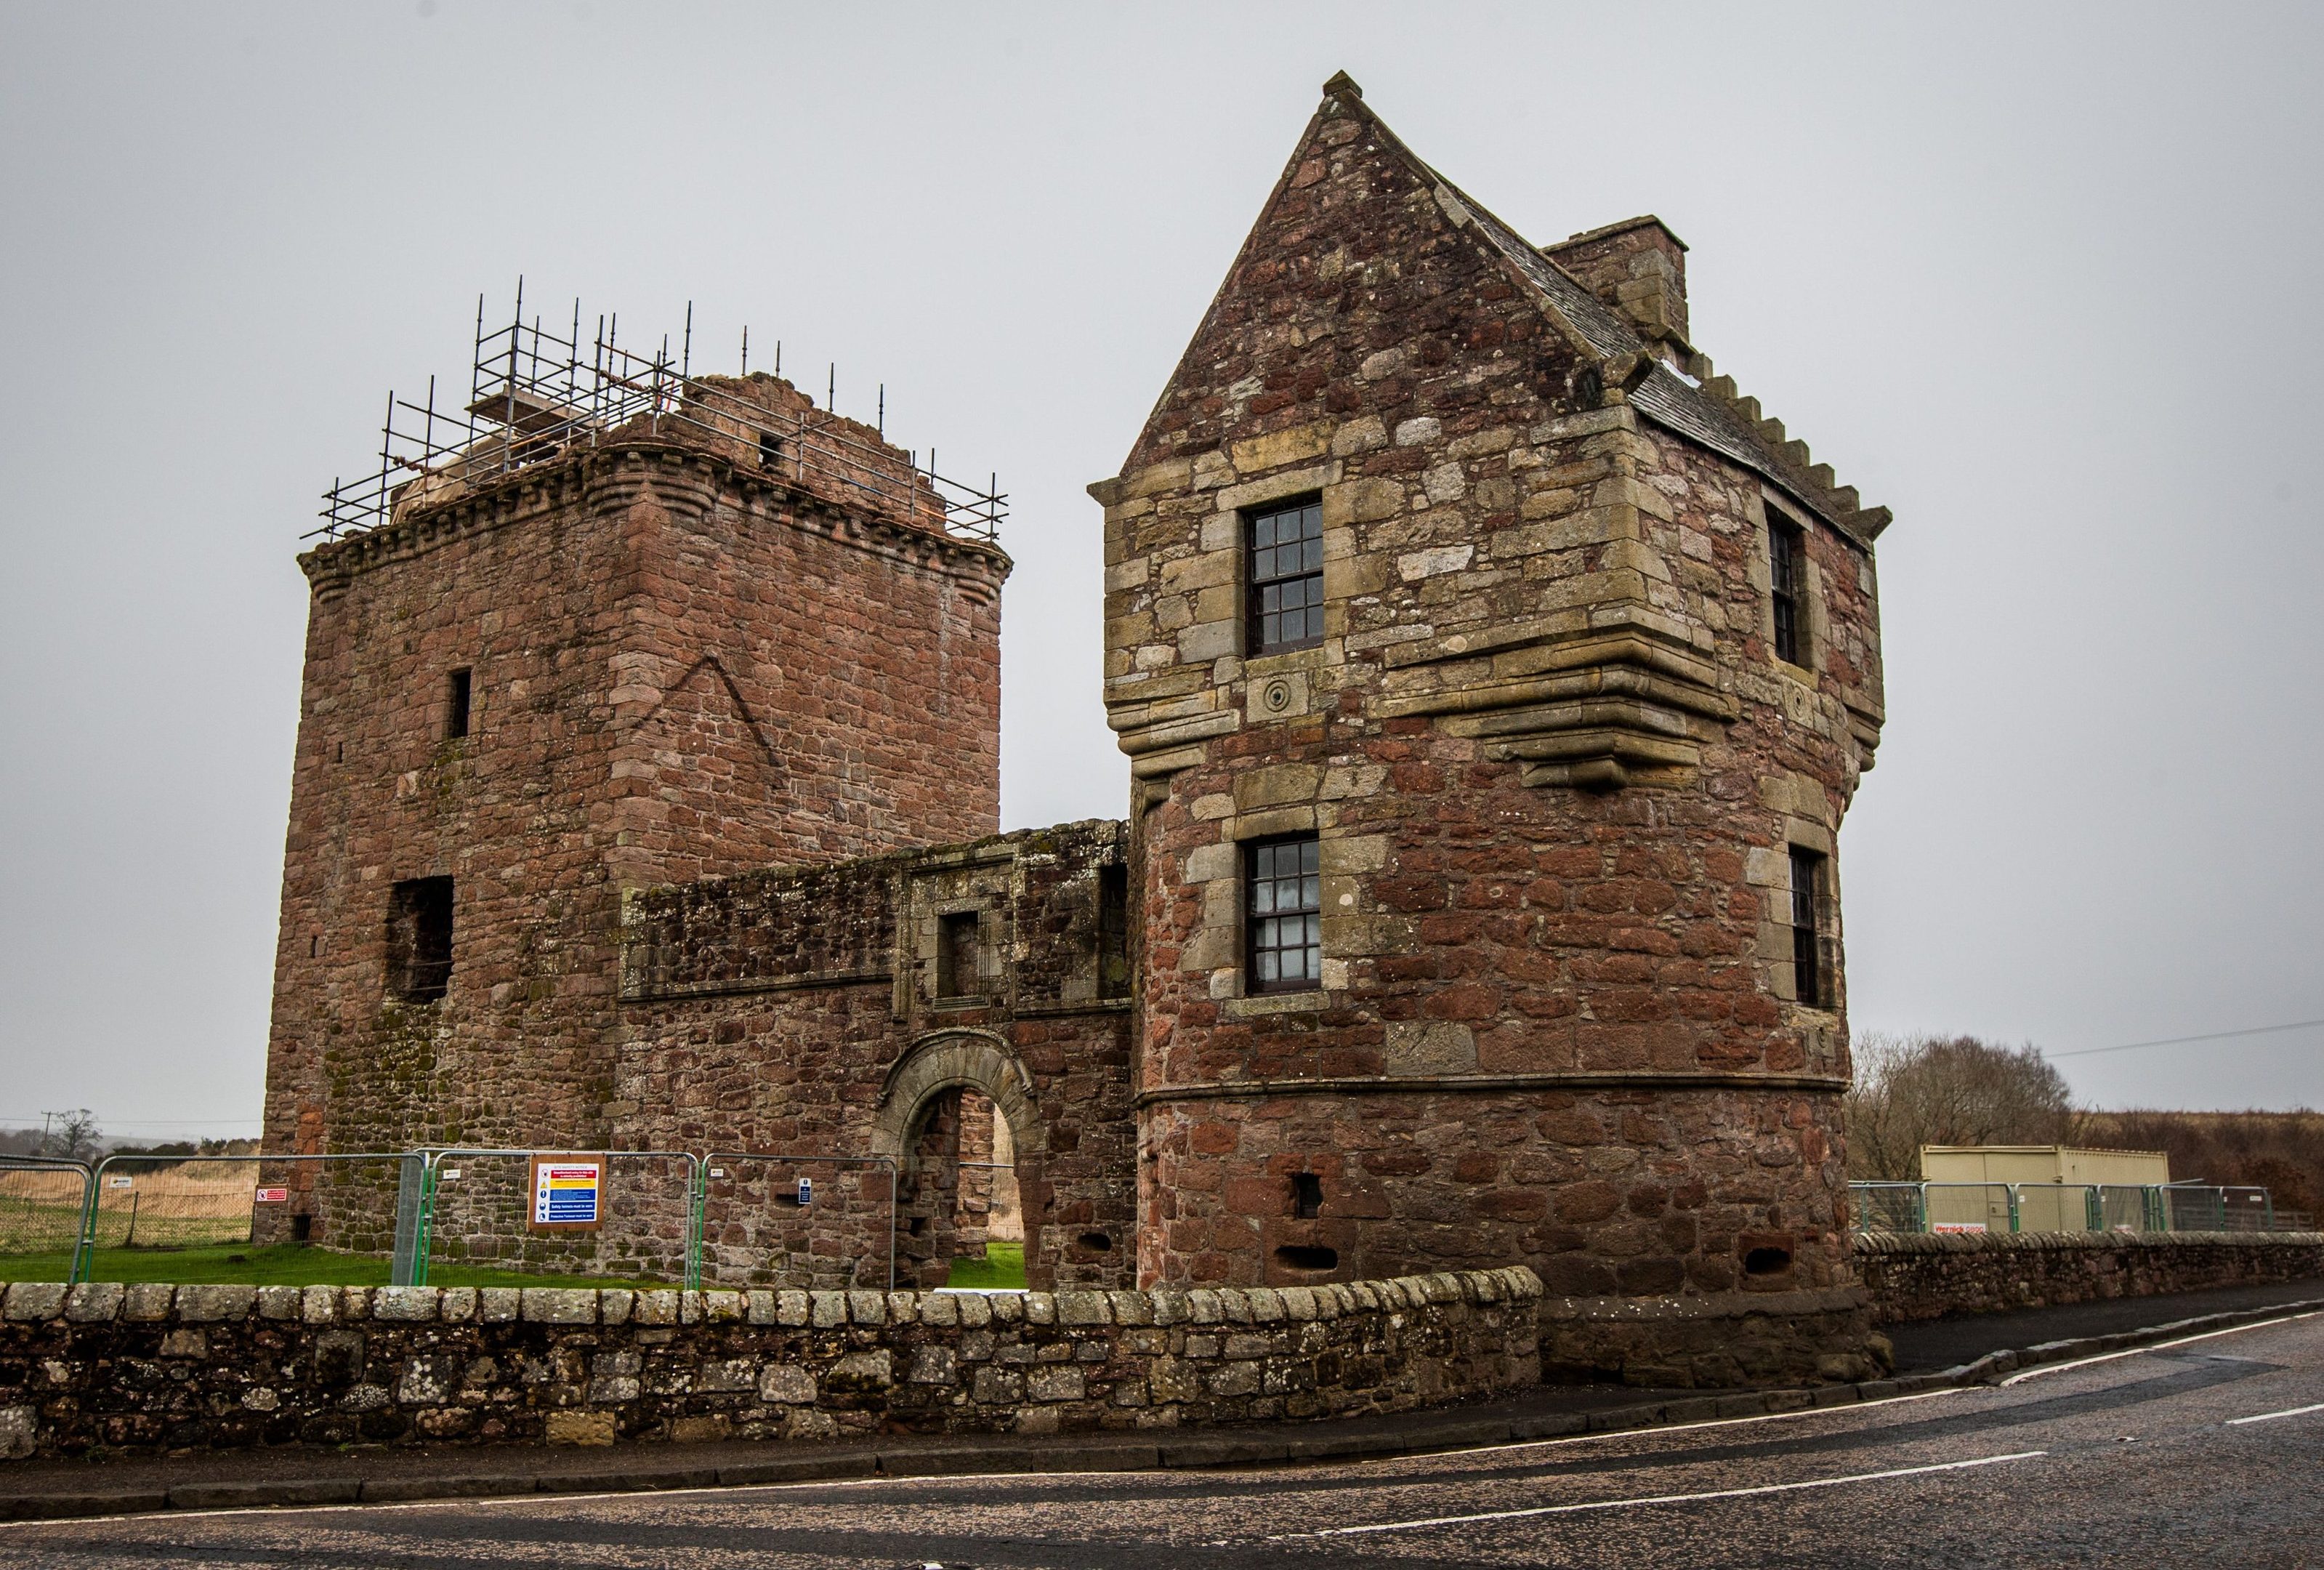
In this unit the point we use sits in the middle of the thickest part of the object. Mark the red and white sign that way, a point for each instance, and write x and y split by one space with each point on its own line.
1956 1226
274 1196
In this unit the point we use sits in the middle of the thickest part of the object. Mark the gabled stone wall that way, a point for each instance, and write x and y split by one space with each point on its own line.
1555 769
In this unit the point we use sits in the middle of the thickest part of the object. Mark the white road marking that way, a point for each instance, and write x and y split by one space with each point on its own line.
2271 1416
730 1489
2036 1373
1660 1499
487 1501
1649 1429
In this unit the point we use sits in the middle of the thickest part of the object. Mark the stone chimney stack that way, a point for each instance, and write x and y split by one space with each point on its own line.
1639 267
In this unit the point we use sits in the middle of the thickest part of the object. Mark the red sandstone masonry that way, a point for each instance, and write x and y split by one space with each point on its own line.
797 1009
1555 770
682 666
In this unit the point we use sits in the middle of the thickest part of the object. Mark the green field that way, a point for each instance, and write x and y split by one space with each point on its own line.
287 1265
1002 1266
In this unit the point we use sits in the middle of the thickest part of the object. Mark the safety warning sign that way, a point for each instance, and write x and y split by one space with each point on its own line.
566 1192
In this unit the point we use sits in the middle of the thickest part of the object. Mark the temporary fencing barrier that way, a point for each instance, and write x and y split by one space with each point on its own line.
1940 1207
627 1214
2201 1207
812 1217
41 1199
176 1202
803 1216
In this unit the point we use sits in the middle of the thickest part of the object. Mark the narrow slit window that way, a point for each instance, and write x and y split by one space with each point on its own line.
1283 916
957 968
456 705
1307 1195
771 451
1114 932
1787 572
1286 579
1808 979
420 939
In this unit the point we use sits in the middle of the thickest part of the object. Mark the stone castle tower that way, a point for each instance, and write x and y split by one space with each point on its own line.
1495 679
574 658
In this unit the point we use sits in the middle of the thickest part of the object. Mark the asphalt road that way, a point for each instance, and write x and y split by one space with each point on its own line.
2206 1452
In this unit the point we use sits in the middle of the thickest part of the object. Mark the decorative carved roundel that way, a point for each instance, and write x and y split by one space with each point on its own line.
1276 696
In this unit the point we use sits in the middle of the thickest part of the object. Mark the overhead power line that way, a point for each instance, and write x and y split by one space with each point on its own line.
2182 1040
18 1120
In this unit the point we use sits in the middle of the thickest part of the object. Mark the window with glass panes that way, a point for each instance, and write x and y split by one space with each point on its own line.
1787 573
1284 915
1807 954
1286 577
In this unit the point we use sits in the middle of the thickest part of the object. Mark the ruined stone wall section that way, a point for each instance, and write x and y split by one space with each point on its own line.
379 794
679 669
800 1010
153 1367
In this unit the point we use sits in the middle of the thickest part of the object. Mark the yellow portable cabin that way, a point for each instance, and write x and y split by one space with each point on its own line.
2056 1184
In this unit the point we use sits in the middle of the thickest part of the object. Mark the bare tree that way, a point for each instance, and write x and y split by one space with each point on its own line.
73 1134
1956 1090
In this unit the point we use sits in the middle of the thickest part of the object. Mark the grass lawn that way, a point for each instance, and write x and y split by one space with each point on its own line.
286 1265
1002 1266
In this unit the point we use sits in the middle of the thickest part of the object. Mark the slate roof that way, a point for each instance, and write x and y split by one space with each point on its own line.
1665 397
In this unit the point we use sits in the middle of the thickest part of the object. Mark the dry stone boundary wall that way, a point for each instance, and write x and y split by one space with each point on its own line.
1928 1275
157 1367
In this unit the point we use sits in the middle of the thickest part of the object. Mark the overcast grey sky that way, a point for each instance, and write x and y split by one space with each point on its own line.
2043 280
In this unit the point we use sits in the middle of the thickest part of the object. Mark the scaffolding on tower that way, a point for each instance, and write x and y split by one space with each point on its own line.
536 396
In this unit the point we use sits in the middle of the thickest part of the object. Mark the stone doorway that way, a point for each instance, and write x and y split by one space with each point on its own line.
989 1225
960 1221
953 1116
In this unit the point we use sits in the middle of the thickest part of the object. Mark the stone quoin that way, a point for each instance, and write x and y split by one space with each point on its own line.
1494 675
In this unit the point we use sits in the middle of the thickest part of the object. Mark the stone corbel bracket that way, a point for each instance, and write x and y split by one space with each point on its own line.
1166 735
1595 710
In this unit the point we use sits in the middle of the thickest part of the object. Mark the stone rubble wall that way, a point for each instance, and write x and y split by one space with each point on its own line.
153 1367
1916 1276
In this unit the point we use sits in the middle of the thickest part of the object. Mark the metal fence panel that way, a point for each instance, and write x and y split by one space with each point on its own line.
174 1203
2035 1207
756 1231
1886 1206
1968 1208
486 1209
41 1205
171 1202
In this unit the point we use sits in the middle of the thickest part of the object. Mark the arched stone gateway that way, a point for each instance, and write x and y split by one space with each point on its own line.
935 1117
951 1059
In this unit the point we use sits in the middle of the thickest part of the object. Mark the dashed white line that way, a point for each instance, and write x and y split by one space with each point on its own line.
2036 1373
2271 1416
1660 1499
